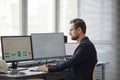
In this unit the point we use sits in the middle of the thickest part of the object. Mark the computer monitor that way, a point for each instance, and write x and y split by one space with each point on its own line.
70 48
16 48
48 45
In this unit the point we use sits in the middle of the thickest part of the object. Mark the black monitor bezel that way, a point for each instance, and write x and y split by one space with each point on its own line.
16 37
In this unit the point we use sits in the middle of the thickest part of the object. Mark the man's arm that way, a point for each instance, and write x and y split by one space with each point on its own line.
79 57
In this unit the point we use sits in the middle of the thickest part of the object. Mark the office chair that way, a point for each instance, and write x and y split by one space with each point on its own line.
94 73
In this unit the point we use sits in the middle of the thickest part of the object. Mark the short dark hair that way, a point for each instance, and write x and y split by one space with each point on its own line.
79 23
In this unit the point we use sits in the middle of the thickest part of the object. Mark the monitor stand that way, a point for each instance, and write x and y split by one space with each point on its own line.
14 69
14 65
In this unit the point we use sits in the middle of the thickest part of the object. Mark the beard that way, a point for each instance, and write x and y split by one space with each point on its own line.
75 38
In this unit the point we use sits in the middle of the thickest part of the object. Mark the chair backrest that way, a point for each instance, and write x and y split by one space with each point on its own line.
94 73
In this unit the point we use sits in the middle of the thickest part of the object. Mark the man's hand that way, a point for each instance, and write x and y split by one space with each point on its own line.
43 68
50 64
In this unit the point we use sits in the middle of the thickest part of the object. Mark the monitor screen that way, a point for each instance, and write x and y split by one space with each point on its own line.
48 45
16 48
70 48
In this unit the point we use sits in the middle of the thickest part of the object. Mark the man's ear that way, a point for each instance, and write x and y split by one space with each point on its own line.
79 30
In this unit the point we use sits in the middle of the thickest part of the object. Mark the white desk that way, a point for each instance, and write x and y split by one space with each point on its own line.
29 75
49 76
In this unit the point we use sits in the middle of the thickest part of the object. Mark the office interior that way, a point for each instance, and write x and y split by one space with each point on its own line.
24 17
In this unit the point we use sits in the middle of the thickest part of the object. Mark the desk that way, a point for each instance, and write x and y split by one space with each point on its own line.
49 76
32 75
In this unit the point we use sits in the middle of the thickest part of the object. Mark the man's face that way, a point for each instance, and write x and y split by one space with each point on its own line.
73 32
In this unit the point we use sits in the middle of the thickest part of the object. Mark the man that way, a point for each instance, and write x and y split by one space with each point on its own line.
84 59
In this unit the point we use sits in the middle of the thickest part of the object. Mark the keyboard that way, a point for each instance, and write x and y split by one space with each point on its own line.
34 70
32 64
18 69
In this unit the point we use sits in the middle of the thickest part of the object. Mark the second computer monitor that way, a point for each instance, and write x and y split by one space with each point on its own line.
48 45
16 48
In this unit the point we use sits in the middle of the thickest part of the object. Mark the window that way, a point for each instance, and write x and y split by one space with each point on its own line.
40 16
99 19
68 11
98 16
9 18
